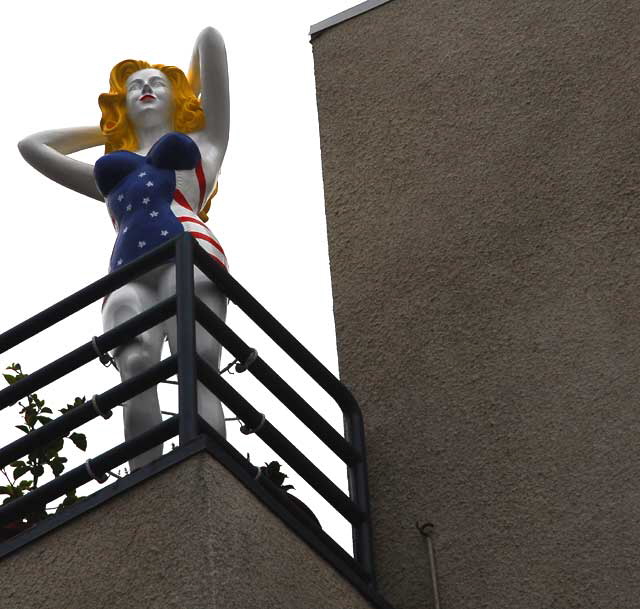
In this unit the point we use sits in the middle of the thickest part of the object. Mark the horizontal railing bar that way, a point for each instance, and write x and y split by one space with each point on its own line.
82 298
275 384
80 415
276 331
238 465
78 476
84 354
279 443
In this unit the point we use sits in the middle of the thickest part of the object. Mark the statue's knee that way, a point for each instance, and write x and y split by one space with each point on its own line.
134 359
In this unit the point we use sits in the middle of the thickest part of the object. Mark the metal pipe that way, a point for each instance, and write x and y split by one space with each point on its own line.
276 331
80 415
239 466
353 423
72 304
80 475
84 354
275 384
426 530
277 442
186 327
359 489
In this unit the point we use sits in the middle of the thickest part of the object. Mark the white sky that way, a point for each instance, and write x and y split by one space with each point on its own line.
268 215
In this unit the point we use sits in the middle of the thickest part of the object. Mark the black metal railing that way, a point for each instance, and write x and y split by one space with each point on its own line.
190 369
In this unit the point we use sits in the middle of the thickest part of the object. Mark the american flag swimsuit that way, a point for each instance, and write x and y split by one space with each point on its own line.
155 197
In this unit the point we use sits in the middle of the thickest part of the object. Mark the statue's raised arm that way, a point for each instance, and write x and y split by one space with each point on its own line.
47 152
209 77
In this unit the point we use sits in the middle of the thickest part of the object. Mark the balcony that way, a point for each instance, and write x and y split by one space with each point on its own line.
203 501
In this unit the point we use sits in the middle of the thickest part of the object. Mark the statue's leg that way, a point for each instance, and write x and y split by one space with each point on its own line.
141 412
209 349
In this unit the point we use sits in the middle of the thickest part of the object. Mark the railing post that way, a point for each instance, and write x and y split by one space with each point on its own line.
359 491
185 320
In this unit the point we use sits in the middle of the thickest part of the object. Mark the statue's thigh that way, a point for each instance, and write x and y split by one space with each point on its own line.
127 302
209 294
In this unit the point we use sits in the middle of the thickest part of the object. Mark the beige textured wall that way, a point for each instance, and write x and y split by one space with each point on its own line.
190 538
482 183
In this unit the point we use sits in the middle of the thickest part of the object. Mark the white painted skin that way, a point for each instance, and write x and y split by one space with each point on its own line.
151 117
149 105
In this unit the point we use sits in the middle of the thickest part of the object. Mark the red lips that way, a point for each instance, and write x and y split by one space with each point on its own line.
146 96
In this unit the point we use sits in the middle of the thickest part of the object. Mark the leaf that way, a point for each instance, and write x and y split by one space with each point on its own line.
23 428
54 447
80 440
20 471
10 378
50 453
25 484
35 402
70 499
273 473
44 420
76 402
47 410
18 464
57 465
38 470
30 417
79 401
5 490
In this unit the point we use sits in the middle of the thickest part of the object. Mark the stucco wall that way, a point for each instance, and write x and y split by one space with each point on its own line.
482 183
189 538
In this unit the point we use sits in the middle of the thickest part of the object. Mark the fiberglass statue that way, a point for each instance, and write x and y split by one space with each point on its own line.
157 182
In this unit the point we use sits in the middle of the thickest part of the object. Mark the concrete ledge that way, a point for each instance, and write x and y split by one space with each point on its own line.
192 536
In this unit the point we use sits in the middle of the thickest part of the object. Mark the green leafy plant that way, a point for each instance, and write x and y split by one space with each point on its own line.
28 472
273 473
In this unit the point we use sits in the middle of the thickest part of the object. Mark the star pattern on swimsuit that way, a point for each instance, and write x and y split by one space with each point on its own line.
138 189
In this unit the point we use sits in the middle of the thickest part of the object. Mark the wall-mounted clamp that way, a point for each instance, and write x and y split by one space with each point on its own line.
98 478
105 413
241 366
246 430
105 359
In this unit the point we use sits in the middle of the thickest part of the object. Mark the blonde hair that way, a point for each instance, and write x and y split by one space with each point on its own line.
115 125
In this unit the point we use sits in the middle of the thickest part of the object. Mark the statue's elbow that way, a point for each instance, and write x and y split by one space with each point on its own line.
25 146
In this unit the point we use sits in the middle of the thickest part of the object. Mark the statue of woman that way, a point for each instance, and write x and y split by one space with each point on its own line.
157 182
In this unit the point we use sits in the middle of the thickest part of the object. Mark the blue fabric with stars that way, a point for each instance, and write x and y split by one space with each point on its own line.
139 191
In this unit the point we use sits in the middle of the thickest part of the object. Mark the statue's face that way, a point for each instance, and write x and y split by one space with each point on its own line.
149 99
